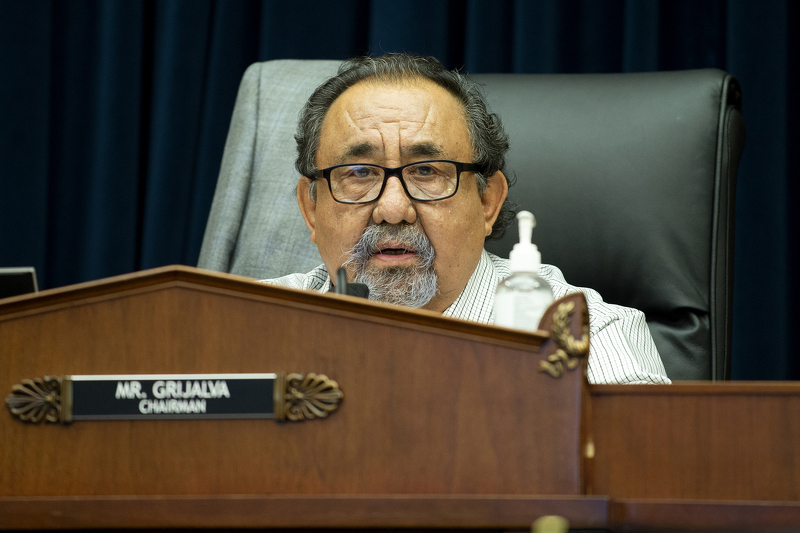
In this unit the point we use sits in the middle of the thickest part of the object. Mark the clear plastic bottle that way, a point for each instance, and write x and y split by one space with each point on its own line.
523 297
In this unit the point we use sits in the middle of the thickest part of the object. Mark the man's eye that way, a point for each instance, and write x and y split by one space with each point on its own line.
425 172
361 172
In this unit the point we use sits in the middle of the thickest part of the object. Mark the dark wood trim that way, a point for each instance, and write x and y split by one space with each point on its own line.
402 511
697 515
683 388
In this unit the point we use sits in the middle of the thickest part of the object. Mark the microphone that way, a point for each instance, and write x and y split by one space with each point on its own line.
353 289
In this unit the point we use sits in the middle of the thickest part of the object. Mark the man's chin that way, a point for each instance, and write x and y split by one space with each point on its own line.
387 273
408 285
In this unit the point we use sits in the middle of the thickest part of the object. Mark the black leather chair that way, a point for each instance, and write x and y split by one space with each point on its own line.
631 178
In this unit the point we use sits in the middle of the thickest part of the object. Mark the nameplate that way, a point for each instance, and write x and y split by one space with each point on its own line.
168 396
174 396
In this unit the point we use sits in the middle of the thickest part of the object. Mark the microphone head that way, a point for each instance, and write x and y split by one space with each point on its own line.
358 289
353 289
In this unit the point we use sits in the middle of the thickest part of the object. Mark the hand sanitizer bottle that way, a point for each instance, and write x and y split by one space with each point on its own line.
523 297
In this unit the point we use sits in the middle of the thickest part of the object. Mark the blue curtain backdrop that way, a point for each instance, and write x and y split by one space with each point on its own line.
114 113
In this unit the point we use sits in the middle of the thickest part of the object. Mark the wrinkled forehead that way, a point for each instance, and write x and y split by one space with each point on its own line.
417 106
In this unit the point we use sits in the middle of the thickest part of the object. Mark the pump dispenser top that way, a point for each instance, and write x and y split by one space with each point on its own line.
523 297
525 256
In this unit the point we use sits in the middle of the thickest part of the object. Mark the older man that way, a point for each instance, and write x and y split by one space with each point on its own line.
402 182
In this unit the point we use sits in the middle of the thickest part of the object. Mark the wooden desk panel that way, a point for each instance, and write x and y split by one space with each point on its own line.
431 405
699 441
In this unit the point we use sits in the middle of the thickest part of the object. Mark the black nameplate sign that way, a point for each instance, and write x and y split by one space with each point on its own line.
172 396
282 397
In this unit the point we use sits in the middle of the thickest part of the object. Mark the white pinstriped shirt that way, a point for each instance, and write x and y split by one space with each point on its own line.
621 348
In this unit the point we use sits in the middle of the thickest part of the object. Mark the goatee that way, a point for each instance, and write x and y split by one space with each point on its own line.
413 285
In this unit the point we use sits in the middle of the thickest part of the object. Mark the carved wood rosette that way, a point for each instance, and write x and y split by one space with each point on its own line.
305 397
570 350
36 400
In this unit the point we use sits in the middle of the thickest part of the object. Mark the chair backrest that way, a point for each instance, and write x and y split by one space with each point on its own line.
631 178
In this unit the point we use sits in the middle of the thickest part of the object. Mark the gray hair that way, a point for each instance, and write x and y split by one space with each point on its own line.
489 140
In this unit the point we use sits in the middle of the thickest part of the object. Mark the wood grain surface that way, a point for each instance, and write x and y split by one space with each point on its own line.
444 423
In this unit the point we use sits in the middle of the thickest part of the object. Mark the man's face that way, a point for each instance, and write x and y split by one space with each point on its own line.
392 124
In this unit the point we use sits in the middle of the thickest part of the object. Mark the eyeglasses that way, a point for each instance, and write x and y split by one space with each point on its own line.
423 181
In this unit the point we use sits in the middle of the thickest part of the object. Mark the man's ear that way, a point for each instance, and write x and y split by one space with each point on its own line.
492 199
308 207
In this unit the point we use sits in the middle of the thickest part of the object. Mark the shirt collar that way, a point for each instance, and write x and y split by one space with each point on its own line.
476 301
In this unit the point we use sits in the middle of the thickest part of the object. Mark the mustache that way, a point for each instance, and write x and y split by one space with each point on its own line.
408 236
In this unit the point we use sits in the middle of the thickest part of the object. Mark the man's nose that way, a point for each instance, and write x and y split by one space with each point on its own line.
394 206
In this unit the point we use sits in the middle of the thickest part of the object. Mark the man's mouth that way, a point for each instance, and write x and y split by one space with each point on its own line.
394 247
395 251
385 247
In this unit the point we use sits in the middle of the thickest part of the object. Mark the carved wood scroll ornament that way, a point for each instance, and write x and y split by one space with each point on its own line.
570 350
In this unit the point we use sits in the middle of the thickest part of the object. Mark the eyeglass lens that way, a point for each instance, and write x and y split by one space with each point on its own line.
430 180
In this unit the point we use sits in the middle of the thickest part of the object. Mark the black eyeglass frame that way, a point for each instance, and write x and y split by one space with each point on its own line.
397 172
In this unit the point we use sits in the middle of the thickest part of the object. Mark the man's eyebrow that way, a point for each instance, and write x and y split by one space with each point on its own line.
355 151
365 150
427 149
